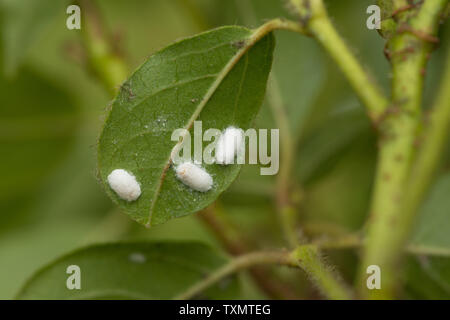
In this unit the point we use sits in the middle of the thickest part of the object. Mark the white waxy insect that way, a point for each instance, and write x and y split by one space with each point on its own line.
229 144
194 176
124 184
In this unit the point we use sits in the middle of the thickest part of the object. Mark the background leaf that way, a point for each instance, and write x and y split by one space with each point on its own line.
433 225
22 22
428 278
132 271
164 94
323 145
33 137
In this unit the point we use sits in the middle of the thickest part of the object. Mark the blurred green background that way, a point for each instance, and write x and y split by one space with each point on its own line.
51 110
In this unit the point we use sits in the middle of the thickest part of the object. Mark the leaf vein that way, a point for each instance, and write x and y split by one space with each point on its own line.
176 85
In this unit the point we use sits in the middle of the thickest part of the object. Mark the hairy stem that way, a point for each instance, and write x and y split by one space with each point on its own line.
434 141
239 263
314 18
281 24
286 211
306 257
387 228
236 245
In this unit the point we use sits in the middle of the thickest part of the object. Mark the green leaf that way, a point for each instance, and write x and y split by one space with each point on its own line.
340 192
432 231
323 145
428 278
38 125
131 271
218 77
428 275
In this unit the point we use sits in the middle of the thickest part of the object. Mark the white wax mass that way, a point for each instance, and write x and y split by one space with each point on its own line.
229 144
124 184
194 176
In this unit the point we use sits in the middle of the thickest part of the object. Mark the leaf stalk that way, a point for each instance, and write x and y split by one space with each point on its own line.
314 18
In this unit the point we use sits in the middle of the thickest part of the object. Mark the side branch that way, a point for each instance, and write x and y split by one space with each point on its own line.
305 257
308 258
434 141
239 263
103 62
236 245
285 187
314 18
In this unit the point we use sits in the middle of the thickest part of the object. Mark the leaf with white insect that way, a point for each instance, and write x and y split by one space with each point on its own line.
159 270
218 77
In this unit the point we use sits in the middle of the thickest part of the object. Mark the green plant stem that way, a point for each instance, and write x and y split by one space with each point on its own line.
387 227
286 211
306 257
430 154
434 142
235 244
104 63
239 263
315 20
282 24
354 241
428 251
345 241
